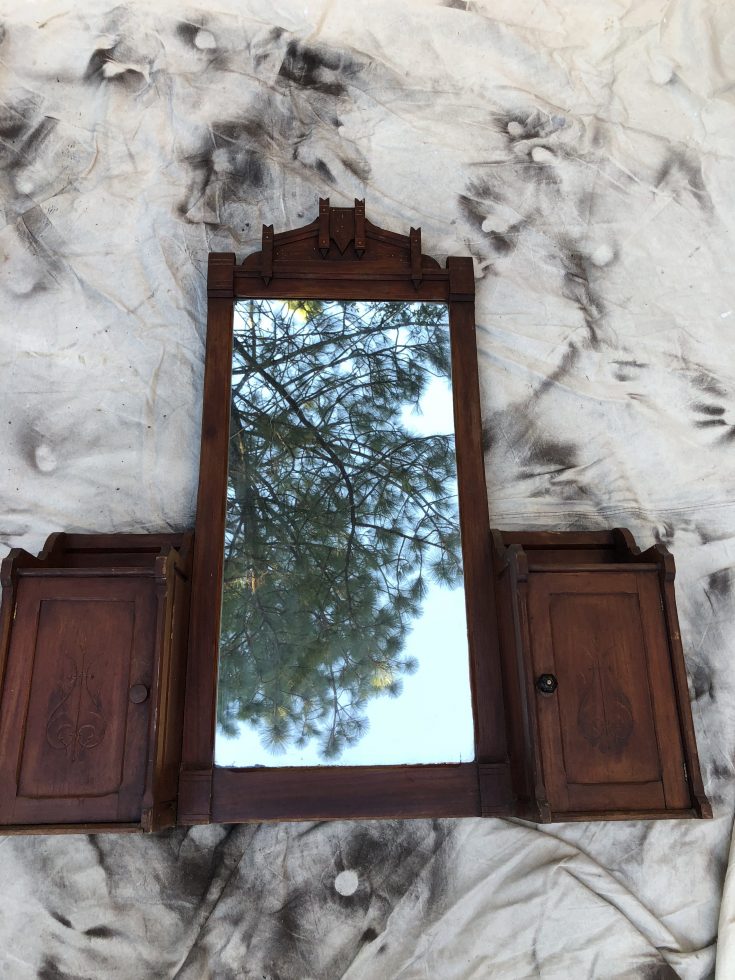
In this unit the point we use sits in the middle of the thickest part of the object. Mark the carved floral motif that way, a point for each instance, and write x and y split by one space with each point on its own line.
605 715
77 722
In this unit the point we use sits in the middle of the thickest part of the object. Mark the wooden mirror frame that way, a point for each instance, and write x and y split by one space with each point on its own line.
341 255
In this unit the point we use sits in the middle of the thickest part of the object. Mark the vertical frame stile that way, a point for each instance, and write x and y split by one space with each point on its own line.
195 784
482 623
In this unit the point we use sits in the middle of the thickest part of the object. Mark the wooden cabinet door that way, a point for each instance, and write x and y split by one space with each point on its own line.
609 732
75 704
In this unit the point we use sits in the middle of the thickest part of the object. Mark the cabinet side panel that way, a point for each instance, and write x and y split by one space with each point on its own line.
665 712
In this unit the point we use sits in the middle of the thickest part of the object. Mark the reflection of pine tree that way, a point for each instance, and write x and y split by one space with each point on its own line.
336 513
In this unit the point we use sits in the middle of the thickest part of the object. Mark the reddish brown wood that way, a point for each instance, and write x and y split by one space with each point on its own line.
201 682
173 575
71 745
490 741
667 574
611 739
340 255
90 718
339 792
521 746
296 285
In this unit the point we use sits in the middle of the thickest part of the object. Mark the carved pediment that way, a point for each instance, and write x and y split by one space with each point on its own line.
340 235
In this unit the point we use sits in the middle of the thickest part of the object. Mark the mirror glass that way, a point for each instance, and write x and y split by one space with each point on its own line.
343 636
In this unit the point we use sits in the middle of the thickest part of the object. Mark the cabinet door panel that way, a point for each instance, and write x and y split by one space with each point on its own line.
609 733
72 743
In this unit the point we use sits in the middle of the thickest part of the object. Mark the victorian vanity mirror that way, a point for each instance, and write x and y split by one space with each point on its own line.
352 654
360 643
342 654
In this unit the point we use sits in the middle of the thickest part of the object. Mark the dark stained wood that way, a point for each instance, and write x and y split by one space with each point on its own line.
461 279
490 739
496 789
667 574
201 680
340 792
118 550
72 748
611 739
16 830
353 287
340 255
173 579
528 755
90 706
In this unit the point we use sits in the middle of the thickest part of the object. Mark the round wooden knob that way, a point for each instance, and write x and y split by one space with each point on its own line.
138 693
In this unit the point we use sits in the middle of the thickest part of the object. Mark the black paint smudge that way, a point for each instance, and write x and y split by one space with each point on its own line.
628 370
100 932
316 67
506 241
532 124
564 368
130 78
50 970
553 455
707 382
701 680
187 31
579 285
683 170
708 409
720 583
475 203
23 134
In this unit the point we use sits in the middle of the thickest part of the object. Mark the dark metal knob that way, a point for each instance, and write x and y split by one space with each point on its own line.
138 693
546 683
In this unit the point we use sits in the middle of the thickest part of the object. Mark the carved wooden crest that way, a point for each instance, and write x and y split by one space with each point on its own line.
343 249
341 235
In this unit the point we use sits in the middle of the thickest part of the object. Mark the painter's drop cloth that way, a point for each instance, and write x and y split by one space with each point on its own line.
583 155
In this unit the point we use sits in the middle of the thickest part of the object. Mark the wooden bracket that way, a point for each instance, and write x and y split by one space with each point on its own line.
415 243
266 260
324 226
360 240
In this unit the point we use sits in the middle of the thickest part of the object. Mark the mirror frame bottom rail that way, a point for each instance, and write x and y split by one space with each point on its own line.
357 792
